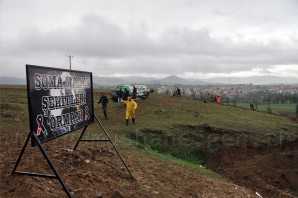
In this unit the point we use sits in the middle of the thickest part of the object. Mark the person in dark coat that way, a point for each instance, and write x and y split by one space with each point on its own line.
125 94
178 92
251 106
104 101
119 94
134 92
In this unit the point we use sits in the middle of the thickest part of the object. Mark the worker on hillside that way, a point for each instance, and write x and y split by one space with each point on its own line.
251 106
104 101
125 94
131 107
119 94
218 99
134 92
178 92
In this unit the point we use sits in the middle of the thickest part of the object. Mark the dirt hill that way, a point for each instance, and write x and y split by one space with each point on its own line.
172 151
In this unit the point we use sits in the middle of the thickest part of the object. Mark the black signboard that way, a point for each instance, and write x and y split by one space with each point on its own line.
60 101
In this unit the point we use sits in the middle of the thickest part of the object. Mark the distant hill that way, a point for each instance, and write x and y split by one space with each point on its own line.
108 81
12 80
173 80
170 80
138 79
257 80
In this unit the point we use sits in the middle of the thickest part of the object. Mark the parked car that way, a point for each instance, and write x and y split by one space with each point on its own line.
142 91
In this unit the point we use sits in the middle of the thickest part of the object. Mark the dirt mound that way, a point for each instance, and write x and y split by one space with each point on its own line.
272 172
247 159
96 169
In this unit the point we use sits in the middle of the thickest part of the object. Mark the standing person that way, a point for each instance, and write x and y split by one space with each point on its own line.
125 94
134 92
251 106
131 107
119 93
104 101
218 99
178 92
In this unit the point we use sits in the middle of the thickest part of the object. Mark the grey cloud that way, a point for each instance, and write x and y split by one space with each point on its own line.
108 48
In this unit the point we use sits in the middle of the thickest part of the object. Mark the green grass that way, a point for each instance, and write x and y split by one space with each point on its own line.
174 126
178 129
146 150
196 167
274 106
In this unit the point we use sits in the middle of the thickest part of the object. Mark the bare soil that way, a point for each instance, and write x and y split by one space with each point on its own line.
95 168
270 170
273 172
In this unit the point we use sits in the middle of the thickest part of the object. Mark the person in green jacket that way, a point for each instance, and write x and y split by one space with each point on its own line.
131 107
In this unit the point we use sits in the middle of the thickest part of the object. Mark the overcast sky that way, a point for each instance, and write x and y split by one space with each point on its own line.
188 38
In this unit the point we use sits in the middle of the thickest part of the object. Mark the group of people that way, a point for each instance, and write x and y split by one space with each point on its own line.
216 99
122 94
124 98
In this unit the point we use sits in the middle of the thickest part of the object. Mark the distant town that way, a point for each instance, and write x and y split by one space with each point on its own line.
238 93
258 89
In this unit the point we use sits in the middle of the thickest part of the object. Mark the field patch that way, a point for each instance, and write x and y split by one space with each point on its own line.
265 164
172 150
285 109
270 171
10 112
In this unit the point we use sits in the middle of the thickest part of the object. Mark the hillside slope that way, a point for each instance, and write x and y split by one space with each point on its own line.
193 132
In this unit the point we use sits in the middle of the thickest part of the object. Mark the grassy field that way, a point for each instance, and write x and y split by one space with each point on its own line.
283 108
181 131
174 125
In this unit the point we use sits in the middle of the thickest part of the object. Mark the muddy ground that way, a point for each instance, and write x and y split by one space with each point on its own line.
95 169
267 165
273 172
267 169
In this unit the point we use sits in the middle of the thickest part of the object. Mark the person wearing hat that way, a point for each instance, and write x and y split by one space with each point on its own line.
104 101
131 107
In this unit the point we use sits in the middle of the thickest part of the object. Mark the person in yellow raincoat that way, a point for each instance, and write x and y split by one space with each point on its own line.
131 107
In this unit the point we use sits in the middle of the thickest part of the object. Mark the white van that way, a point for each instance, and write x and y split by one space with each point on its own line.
142 91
